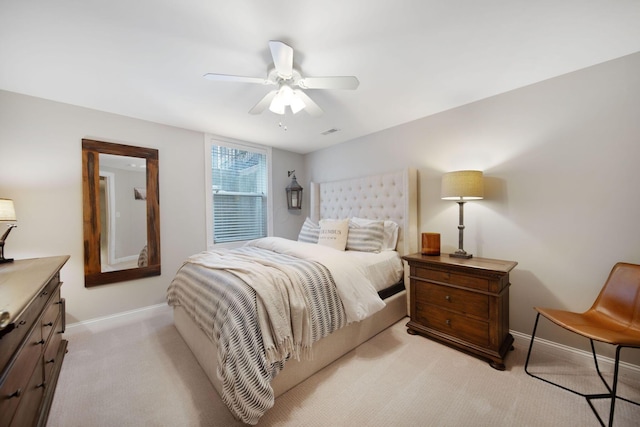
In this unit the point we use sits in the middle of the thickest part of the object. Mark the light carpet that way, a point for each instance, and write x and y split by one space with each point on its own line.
143 374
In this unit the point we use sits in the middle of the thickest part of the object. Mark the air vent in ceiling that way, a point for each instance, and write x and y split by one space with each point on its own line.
330 131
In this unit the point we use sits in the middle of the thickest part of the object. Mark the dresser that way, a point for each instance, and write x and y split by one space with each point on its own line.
32 320
463 303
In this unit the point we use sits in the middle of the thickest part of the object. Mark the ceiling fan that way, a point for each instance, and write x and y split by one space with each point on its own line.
290 84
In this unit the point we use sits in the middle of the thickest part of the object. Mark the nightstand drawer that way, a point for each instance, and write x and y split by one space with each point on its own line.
472 282
453 324
470 303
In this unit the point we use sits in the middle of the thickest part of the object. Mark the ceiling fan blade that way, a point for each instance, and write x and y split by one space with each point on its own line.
238 79
263 103
309 105
282 58
345 82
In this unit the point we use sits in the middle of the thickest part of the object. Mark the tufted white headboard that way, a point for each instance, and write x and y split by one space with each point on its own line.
390 195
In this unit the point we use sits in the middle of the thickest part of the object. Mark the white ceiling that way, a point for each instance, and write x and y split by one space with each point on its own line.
146 58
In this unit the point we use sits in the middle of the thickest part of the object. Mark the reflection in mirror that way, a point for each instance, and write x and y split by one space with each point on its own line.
121 212
123 216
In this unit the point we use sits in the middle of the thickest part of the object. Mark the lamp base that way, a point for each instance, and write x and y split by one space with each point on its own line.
459 254
3 260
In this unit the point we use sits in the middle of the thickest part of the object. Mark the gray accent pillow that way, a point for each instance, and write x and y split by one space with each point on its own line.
365 237
309 232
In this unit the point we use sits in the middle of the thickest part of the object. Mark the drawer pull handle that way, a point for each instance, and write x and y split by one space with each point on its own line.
42 385
448 322
51 361
448 298
16 393
48 324
40 342
22 322
45 293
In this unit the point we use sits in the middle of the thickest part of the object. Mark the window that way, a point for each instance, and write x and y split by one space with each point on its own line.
237 199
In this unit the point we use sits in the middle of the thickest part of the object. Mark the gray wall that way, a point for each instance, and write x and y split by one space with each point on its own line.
560 160
41 170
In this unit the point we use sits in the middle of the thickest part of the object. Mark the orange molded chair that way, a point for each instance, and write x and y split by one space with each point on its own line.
614 319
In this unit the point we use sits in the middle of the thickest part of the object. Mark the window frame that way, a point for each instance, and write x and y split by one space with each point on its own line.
209 142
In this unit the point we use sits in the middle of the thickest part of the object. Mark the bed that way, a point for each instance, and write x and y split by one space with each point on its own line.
389 196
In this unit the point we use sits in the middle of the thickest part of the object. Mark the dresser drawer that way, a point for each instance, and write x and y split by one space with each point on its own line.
26 321
50 315
463 280
51 351
453 324
27 410
471 303
15 385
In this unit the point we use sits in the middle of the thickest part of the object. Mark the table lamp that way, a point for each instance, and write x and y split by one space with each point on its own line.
7 214
462 186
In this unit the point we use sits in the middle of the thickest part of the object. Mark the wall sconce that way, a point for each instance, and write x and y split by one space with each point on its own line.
7 214
294 192
462 186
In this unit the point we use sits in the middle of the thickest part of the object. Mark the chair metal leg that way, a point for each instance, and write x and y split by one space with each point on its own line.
611 389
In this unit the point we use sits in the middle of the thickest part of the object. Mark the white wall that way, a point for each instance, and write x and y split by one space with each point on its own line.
560 161
41 170
287 223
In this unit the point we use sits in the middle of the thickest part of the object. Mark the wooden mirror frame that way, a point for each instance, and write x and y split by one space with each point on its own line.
93 274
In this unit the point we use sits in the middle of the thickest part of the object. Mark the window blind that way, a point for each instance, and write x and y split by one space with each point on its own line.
239 181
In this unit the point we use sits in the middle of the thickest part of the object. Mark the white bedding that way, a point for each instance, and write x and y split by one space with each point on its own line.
383 269
357 292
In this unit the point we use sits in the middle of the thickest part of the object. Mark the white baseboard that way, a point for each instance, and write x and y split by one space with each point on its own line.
114 320
572 354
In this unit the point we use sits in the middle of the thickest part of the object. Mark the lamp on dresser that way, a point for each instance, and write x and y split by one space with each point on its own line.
7 214
462 186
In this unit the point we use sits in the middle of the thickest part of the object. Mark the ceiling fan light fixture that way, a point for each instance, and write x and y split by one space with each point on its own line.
283 74
277 105
286 97
297 104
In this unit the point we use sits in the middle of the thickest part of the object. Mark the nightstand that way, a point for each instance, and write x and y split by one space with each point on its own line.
463 303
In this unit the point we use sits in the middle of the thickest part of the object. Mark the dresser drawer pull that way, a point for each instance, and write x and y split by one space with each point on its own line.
51 361
16 393
448 298
48 324
40 342
42 385
448 322
22 322
45 293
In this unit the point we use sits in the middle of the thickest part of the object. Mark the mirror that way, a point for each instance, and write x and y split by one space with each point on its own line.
121 212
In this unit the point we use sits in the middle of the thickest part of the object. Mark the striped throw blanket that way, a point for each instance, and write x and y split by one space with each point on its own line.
243 299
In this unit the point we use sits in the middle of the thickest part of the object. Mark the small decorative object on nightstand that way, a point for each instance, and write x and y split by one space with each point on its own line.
430 243
463 303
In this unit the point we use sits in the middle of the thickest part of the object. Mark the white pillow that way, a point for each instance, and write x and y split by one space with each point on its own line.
365 238
309 232
333 233
390 239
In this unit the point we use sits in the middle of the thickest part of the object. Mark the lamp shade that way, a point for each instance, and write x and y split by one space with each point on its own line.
7 210
462 185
